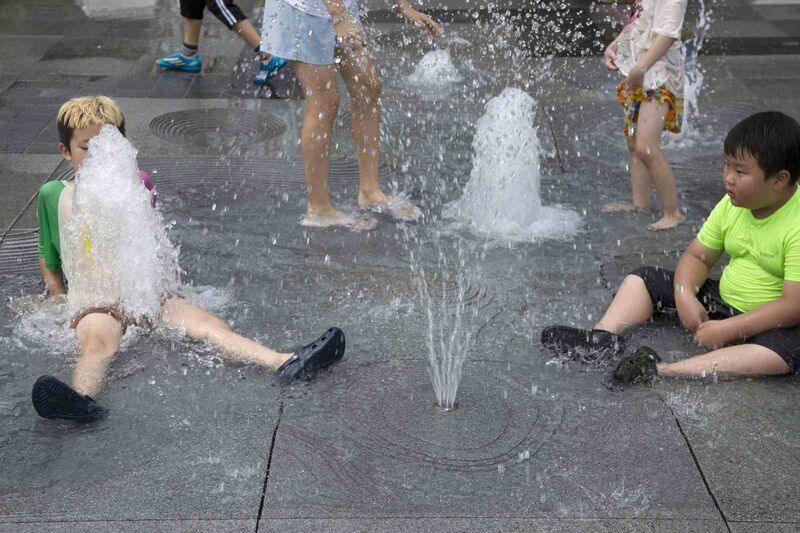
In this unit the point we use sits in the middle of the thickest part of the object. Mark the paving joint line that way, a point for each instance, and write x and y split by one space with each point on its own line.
269 464
555 141
697 463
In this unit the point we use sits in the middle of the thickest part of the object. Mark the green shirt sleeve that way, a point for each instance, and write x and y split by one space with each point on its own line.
712 234
791 258
49 235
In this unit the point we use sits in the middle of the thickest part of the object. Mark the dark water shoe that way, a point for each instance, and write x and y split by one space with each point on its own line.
587 345
307 360
637 368
55 399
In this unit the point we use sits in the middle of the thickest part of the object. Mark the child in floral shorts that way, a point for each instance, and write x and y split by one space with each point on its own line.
648 53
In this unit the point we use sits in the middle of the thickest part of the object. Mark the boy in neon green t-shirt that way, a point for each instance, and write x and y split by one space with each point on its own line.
749 318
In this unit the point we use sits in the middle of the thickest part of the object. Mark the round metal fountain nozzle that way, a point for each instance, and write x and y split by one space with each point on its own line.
443 410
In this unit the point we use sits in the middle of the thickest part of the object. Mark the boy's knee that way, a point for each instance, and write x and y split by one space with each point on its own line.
99 333
634 279
98 345
644 272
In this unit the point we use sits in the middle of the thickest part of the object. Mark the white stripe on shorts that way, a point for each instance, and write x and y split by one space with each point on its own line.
224 10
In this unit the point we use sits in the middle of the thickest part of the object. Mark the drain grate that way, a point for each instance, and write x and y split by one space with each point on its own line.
217 127
18 254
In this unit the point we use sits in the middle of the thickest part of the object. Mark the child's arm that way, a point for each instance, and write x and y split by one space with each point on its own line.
49 256
659 47
781 313
53 279
610 54
421 20
667 24
692 271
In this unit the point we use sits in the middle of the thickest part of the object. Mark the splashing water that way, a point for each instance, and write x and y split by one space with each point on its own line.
116 250
435 68
451 321
690 134
502 195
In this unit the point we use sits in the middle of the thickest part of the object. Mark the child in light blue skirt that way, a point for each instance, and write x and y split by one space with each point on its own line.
315 35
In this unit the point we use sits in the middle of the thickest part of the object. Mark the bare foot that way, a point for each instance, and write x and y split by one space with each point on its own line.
666 222
622 207
356 222
398 207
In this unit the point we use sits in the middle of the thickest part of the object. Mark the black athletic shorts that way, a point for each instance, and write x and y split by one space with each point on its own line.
225 10
660 284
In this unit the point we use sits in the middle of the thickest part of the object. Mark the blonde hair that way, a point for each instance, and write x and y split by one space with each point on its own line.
86 111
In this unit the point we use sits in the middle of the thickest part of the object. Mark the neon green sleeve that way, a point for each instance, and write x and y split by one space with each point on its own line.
712 234
49 237
791 257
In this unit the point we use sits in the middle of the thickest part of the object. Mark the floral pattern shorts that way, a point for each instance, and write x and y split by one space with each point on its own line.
632 100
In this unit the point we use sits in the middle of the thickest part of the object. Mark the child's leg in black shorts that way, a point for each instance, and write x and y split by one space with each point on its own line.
234 18
192 13
641 292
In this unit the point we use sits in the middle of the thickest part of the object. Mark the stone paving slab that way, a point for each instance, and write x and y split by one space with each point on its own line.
22 176
512 449
20 53
187 437
135 526
765 527
747 440
497 525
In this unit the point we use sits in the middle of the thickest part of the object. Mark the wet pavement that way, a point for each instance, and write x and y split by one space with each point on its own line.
197 444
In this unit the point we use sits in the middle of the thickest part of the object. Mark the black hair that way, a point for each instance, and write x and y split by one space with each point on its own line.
772 138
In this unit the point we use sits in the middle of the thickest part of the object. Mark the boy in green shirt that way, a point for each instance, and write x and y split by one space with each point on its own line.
100 324
749 318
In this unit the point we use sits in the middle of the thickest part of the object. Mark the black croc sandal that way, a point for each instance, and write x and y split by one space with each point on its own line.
638 368
53 398
313 357
587 345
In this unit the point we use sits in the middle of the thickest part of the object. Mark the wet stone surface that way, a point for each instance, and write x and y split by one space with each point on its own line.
536 444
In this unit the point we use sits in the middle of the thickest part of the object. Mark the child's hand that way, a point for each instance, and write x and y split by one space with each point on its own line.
690 311
422 21
635 79
713 334
610 56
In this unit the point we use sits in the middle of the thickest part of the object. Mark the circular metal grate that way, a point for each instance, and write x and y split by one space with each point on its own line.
217 126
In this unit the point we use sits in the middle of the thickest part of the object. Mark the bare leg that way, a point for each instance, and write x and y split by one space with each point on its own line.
641 183
202 325
649 126
741 360
322 104
632 305
248 33
191 31
99 335
364 85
